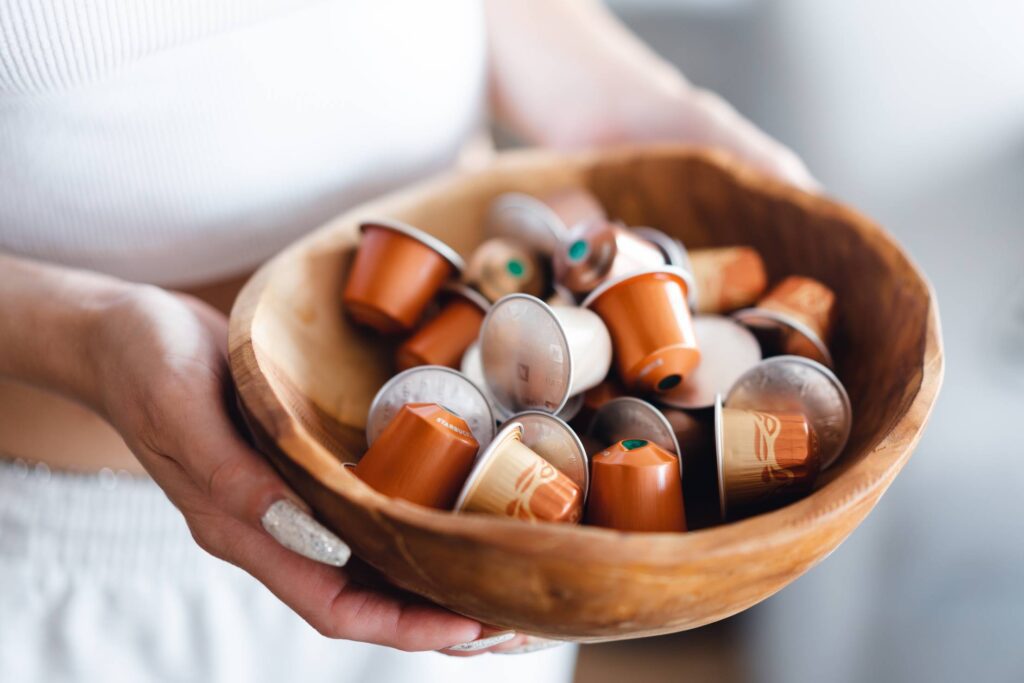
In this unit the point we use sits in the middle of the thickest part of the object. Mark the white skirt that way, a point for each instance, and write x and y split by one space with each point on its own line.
100 580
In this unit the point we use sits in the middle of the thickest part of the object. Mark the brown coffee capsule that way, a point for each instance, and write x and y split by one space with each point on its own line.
424 455
499 266
535 356
764 459
431 384
794 384
728 349
555 441
599 250
597 396
652 332
540 224
397 271
511 480
635 486
727 278
796 317
444 339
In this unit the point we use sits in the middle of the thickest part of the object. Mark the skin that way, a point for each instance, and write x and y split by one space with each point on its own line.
565 74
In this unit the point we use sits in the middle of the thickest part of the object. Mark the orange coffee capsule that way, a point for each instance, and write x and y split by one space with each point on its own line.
511 480
635 486
727 278
764 459
444 339
806 300
500 266
651 328
424 455
599 250
397 270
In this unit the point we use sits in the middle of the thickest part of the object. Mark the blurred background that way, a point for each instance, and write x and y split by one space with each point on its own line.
912 111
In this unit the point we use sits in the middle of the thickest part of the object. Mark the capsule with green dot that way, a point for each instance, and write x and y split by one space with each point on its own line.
598 250
501 266
636 486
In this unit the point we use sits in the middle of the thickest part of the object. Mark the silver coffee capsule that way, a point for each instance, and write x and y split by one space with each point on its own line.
527 220
794 384
555 441
473 368
628 417
535 356
432 384
728 349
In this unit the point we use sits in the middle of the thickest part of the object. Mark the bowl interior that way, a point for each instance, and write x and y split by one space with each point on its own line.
326 371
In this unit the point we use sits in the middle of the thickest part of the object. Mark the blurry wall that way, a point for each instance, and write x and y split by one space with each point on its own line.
913 111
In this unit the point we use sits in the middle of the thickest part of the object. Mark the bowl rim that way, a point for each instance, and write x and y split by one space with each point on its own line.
830 503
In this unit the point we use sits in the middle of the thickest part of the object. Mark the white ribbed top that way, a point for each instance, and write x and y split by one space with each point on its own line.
179 141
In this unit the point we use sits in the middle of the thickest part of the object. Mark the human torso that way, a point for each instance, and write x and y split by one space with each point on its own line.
184 143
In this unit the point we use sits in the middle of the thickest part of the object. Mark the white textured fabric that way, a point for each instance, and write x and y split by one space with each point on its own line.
179 141
100 580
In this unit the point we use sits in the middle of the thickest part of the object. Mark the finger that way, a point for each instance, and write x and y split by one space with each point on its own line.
713 121
335 606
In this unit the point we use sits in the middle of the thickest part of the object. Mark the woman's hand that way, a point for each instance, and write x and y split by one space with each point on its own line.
160 361
154 364
567 74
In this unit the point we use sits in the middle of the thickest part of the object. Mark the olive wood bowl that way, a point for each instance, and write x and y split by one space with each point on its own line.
305 378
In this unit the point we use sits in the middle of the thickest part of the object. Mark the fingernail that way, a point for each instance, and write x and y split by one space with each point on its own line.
297 531
533 644
485 642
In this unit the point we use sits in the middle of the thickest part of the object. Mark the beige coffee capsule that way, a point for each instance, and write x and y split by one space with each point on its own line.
500 266
511 480
727 278
555 441
764 459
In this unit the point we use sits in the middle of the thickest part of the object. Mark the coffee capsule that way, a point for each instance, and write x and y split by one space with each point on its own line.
540 225
536 356
795 317
397 271
423 455
599 250
444 339
500 266
635 486
727 278
511 480
431 384
472 367
794 384
555 441
628 417
728 349
765 459
651 328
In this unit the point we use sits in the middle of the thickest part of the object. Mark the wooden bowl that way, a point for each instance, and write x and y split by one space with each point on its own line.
305 379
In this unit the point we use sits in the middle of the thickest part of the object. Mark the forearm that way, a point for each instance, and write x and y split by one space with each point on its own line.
46 316
567 73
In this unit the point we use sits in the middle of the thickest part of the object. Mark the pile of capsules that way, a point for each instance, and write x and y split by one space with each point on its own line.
720 404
